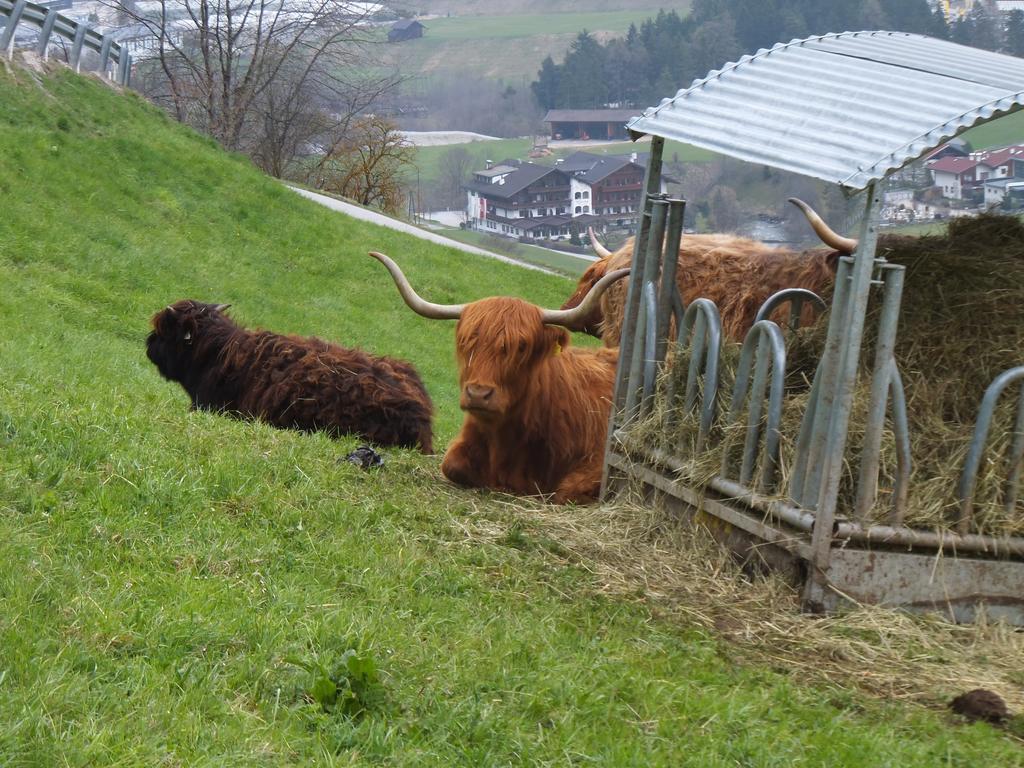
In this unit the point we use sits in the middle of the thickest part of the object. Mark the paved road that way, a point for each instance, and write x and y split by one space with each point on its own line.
386 221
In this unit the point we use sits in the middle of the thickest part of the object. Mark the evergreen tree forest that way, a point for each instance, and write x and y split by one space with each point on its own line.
668 52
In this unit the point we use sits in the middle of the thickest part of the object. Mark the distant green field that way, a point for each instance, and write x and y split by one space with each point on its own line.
513 7
528 25
531 254
429 159
1005 130
508 48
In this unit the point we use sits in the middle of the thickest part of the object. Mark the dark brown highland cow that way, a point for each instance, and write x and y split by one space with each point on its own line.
289 381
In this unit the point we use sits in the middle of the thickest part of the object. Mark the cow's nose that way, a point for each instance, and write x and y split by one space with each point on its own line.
478 394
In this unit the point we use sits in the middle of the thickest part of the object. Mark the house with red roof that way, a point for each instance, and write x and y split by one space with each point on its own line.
963 178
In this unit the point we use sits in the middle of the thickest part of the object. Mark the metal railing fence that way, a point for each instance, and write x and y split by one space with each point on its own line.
114 59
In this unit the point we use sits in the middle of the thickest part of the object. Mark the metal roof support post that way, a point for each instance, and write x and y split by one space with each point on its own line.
648 260
841 403
7 36
44 35
652 185
76 47
810 444
646 314
650 350
676 210
867 485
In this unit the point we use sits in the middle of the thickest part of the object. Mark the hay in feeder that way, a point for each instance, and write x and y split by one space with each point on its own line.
961 325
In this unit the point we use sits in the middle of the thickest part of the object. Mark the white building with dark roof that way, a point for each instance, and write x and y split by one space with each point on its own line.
528 200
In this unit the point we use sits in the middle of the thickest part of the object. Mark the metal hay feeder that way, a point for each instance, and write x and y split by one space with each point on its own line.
849 109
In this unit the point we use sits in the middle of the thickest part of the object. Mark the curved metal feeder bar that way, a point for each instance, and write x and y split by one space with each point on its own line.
796 298
764 346
700 329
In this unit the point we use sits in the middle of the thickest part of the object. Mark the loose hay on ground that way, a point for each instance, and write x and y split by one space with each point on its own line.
638 553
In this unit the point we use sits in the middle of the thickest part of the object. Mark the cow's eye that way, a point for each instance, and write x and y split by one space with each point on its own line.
522 346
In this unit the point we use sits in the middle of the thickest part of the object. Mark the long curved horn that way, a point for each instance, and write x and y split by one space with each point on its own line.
416 304
822 230
573 318
599 249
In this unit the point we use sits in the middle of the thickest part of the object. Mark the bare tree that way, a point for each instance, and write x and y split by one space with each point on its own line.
724 209
366 164
456 165
257 74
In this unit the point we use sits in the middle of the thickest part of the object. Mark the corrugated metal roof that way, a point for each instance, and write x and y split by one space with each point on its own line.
847 108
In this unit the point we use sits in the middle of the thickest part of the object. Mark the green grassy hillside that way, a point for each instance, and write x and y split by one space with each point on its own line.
508 47
183 589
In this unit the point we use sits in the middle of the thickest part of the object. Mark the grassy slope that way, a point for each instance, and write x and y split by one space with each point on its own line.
160 566
565 263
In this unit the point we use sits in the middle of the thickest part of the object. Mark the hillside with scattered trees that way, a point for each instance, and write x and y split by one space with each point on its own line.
670 50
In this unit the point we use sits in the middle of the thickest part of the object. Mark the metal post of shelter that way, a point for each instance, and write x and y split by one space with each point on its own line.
652 185
845 375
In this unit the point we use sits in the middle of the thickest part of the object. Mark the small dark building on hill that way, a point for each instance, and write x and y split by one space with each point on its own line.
596 124
406 29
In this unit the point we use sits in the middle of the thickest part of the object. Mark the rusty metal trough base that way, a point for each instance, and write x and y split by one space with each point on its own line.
955 586
833 554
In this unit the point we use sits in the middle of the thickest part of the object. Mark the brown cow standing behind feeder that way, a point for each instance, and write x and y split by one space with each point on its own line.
536 409
737 273
289 381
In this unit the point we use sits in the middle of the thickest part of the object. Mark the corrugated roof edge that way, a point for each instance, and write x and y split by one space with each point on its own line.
944 135
908 152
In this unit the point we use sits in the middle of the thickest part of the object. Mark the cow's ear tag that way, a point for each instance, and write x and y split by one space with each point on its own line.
557 350
188 335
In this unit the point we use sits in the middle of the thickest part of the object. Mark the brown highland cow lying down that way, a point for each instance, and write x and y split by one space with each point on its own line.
289 381
536 408
737 273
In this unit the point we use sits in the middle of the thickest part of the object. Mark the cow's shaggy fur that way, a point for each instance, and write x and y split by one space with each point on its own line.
543 427
290 382
736 273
